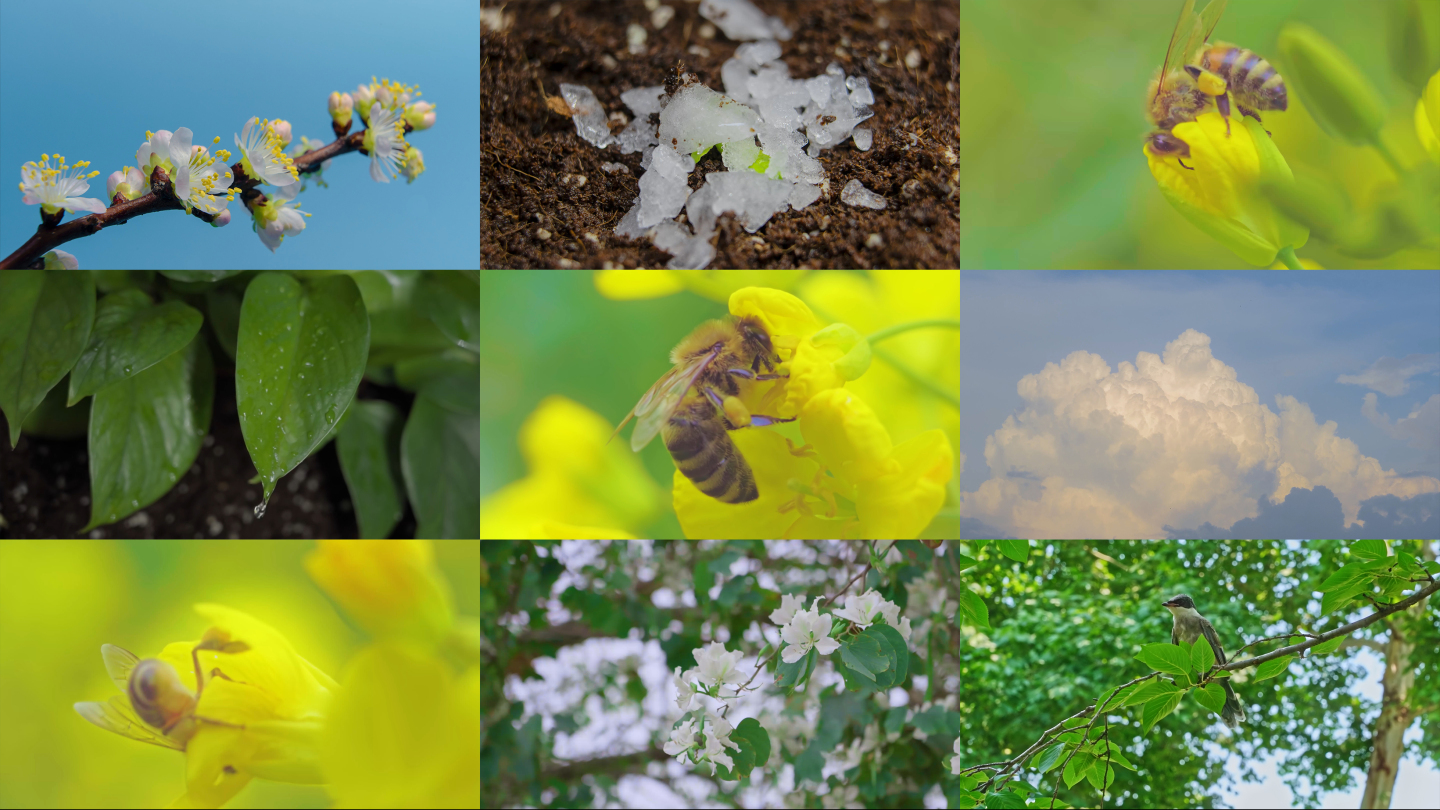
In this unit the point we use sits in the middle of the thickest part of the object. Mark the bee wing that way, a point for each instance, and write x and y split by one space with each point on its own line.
1201 29
1186 23
116 715
663 398
118 662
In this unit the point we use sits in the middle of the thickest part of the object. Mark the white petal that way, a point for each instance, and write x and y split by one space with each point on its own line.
827 646
793 653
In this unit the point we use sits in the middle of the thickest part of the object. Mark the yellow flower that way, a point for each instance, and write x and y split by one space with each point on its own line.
389 587
1220 193
258 714
717 285
404 732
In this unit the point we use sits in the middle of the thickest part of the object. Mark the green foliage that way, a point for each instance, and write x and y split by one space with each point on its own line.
45 322
1273 667
972 609
1211 696
1169 658
1017 550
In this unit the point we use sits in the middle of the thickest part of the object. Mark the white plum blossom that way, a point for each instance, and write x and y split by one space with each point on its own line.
275 218
264 153
789 603
197 182
128 182
863 610
955 760
685 691
682 739
60 260
807 629
57 188
385 141
717 667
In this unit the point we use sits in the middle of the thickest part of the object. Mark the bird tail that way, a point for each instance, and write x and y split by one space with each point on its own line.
1233 713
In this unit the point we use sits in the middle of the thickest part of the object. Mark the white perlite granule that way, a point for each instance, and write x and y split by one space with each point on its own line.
856 194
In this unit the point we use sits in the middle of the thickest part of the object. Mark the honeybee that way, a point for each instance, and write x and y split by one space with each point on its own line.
157 707
697 401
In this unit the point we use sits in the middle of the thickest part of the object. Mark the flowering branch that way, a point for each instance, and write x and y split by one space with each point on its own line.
392 118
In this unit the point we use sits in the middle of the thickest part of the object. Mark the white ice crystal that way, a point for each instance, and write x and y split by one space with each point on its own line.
589 116
663 189
863 138
740 19
856 194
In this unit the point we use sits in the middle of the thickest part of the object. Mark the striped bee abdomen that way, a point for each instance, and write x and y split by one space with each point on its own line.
1252 79
705 454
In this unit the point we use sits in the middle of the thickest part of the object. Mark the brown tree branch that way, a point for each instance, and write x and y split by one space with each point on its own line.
162 198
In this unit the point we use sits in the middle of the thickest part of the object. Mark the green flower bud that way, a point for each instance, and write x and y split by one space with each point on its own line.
1336 93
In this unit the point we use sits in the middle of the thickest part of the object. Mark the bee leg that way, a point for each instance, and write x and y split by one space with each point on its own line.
740 372
1254 115
1222 102
1182 163
758 420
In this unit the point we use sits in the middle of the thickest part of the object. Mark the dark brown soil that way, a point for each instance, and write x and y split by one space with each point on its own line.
526 148
46 490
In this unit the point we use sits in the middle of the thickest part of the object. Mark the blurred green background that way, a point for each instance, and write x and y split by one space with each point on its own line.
61 599
1052 121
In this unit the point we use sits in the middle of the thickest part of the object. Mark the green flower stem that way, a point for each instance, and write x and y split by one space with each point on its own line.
1287 255
901 328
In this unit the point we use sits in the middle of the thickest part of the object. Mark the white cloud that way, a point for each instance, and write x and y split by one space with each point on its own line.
1388 375
1421 429
1177 441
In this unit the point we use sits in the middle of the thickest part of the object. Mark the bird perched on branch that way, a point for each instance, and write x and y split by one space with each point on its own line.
1190 625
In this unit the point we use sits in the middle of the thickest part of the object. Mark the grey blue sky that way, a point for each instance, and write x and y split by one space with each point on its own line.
1283 334
87 78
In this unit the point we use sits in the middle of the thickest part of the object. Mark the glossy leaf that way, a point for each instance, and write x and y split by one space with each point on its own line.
369 450
901 648
299 357
440 457
131 333
198 276
223 303
884 678
45 321
414 372
145 432
452 302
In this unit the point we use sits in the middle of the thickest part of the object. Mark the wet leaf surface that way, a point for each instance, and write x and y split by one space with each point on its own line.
440 457
132 333
146 430
45 321
369 449
299 357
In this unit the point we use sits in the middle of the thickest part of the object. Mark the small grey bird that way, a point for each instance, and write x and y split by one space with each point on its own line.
1189 626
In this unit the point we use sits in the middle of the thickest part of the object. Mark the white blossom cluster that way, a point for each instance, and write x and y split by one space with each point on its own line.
714 675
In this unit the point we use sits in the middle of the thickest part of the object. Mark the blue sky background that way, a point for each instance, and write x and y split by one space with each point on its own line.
1283 333
87 78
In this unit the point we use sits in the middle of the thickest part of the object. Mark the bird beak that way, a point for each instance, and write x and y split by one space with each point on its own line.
1171 603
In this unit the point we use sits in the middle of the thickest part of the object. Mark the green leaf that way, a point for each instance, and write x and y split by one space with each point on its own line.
1094 775
1169 658
298 360
885 678
901 662
199 276
1149 691
1330 646
704 581
752 732
1008 800
895 719
1337 599
412 373
369 450
1077 767
732 590
788 675
1117 755
936 720
863 652
855 680
1369 549
131 334
452 303
1211 696
810 764
1016 550
440 457
1347 575
1273 667
1431 566
1157 709
145 432
1202 658
972 608
961 562
1047 759
45 321
222 303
